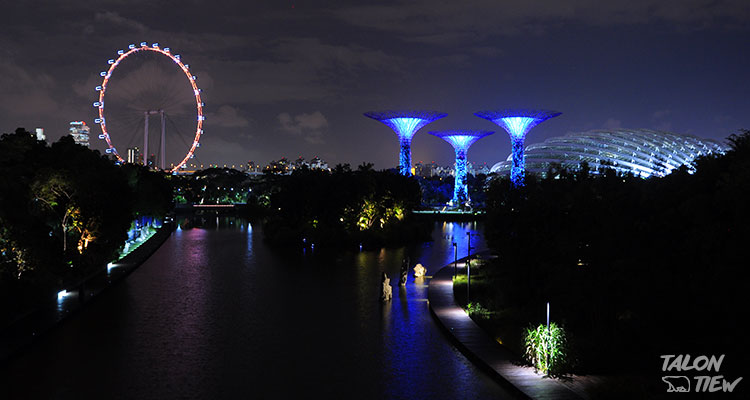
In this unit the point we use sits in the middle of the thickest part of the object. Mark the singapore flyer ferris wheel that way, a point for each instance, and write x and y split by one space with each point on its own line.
143 82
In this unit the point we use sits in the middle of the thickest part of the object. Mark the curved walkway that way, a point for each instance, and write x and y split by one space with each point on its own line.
482 349
21 333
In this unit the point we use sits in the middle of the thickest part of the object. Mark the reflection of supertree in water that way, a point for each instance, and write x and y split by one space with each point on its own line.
461 141
517 123
405 124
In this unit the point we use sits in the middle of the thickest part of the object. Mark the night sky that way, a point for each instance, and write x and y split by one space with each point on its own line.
284 78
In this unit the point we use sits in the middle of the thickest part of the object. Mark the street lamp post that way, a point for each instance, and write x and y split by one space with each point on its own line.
455 259
546 342
468 269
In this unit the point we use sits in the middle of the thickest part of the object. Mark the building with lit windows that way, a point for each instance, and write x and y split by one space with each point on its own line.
318 163
641 152
424 170
134 155
39 134
80 132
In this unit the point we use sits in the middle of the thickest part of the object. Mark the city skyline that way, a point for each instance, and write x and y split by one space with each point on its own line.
294 78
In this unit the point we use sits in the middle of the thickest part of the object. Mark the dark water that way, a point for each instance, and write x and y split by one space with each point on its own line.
215 313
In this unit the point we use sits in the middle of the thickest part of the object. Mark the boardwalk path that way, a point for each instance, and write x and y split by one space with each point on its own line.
478 346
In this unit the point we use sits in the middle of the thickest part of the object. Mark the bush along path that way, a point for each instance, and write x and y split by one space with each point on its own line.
483 350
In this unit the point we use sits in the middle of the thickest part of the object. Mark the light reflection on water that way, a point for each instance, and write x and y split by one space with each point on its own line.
215 313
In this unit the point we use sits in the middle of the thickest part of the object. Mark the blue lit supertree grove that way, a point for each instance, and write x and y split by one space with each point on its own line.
517 122
405 124
461 141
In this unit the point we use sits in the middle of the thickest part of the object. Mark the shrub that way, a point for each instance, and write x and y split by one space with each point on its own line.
547 350
476 310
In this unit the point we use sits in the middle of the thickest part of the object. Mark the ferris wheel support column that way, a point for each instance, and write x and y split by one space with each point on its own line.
145 139
162 150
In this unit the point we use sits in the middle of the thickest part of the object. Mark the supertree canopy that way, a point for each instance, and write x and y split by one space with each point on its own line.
517 122
461 141
405 124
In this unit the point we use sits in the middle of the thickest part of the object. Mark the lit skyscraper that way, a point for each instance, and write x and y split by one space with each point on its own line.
80 132
461 141
39 134
405 124
134 155
517 123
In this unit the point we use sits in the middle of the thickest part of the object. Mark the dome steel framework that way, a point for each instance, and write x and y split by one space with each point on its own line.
641 152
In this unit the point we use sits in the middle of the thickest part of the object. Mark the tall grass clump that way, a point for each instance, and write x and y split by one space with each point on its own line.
547 350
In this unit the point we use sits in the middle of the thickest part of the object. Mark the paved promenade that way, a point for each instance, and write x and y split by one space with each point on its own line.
21 333
479 347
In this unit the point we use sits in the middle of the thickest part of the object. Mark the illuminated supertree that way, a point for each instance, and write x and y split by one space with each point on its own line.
517 123
405 124
461 141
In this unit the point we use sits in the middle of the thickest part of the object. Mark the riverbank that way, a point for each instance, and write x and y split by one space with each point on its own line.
216 312
23 332
482 349
451 215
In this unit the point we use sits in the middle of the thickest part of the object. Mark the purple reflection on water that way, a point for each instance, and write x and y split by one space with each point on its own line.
216 313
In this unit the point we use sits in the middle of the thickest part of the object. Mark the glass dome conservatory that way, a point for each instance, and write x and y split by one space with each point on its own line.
642 152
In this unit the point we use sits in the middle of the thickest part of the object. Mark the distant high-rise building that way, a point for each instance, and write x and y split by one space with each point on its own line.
253 167
278 166
80 132
477 169
444 171
317 163
40 134
134 155
424 170
299 163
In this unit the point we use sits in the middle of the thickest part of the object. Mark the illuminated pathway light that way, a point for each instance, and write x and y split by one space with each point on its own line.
461 141
517 122
405 124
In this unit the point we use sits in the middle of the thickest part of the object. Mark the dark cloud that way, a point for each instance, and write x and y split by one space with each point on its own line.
308 126
114 20
450 22
612 123
227 117
26 93
276 80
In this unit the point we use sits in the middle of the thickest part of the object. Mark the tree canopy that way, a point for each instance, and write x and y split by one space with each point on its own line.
65 211
616 254
344 207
